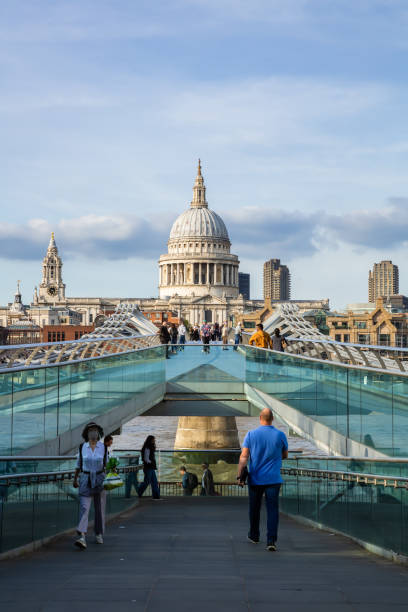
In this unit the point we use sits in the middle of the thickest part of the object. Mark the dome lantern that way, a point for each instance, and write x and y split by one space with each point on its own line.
199 200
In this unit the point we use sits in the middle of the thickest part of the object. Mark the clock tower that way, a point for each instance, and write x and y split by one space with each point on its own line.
51 289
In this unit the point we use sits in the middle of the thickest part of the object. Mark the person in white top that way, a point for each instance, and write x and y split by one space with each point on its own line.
182 335
224 336
89 478
237 337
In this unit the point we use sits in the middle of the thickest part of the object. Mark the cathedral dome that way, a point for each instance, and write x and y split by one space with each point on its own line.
199 223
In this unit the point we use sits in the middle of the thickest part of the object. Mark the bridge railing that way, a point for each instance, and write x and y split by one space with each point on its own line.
48 353
360 498
394 359
41 403
37 506
364 404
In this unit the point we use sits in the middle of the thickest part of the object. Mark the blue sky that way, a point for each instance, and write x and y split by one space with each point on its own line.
296 107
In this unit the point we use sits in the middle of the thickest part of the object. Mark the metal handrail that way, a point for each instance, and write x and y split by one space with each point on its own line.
382 480
357 477
215 451
8 347
52 354
55 457
41 477
342 344
363 364
379 480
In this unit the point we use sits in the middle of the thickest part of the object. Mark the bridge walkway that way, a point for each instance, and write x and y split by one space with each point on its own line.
191 554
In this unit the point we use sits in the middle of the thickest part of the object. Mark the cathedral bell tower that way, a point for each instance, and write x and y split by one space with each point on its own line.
51 289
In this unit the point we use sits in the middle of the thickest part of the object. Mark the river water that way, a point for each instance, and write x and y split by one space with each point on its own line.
223 466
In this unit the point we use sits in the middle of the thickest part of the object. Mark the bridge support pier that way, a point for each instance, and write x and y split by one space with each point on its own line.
211 432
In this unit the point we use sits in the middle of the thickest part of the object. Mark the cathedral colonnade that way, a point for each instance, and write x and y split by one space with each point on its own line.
198 273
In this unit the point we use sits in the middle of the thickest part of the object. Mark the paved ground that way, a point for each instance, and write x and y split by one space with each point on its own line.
191 555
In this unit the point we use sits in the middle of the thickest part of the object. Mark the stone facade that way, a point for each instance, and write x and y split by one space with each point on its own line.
198 261
379 326
51 289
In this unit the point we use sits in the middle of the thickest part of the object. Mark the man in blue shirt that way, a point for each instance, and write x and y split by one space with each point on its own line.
264 447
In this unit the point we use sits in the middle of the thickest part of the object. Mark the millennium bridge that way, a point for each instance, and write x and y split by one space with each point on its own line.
344 535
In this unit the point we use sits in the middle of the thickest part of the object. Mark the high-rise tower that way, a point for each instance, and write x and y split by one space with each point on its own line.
383 280
276 280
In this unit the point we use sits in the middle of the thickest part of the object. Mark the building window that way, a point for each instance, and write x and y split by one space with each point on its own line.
363 338
90 318
346 338
337 338
360 324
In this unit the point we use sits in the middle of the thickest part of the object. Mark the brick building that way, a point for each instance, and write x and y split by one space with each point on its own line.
61 333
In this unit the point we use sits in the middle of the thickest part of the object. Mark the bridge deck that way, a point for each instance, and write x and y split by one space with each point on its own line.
191 554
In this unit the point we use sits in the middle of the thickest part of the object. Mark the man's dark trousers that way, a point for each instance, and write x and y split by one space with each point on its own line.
272 508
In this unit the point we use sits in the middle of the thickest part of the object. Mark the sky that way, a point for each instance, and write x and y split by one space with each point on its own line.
297 109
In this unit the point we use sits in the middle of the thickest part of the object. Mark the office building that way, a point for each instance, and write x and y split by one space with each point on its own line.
244 285
276 280
383 281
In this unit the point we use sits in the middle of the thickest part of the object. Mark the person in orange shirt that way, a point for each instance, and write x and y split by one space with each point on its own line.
260 338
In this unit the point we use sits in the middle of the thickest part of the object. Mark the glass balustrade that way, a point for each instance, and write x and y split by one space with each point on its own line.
371 512
32 512
38 404
367 406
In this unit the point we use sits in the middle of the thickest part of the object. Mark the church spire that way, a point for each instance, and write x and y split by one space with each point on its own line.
52 244
199 190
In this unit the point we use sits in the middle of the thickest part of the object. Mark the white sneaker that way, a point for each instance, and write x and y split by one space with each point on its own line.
81 542
99 539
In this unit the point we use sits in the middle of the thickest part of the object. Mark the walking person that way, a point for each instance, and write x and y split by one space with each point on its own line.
278 341
89 477
196 334
261 339
217 333
207 481
264 448
149 468
108 441
224 336
237 336
189 481
205 336
182 335
164 337
131 477
173 337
